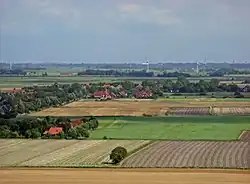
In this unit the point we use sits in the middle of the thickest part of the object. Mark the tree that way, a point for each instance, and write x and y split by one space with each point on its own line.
118 154
72 133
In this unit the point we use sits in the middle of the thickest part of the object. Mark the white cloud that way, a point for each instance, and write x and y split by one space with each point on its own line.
147 14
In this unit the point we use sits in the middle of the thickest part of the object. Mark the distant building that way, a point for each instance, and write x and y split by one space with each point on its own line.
102 95
54 131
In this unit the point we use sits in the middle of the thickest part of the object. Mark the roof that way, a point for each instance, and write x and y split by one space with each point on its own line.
15 90
101 93
76 123
54 130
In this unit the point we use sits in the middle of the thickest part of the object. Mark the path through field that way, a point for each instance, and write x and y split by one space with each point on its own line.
109 176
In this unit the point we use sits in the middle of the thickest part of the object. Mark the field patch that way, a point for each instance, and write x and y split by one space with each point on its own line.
143 107
60 153
172 128
245 136
131 176
191 154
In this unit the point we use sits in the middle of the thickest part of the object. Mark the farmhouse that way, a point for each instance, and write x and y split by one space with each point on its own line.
54 131
76 123
143 94
103 95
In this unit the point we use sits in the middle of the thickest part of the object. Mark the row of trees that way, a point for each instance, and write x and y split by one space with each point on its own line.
133 73
35 127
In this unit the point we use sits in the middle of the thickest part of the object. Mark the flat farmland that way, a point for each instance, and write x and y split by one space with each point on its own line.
172 128
66 153
245 136
192 154
124 176
135 108
231 111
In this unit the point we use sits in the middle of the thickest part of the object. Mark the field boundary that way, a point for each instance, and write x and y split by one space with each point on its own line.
118 169
241 134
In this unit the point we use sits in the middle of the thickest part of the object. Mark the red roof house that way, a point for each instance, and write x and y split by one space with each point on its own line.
54 131
102 94
76 123
143 94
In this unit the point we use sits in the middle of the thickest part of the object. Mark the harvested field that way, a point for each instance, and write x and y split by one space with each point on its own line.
190 111
231 111
60 152
245 136
124 176
191 154
136 108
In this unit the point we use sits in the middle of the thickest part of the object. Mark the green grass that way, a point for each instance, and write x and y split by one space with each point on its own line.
172 128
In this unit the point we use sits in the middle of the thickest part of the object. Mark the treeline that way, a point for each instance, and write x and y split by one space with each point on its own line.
132 73
228 71
12 72
183 85
35 127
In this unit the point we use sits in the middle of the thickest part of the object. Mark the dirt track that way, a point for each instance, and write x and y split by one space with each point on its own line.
122 176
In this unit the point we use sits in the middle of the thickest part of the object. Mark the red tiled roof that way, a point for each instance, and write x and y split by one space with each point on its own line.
54 130
101 94
76 123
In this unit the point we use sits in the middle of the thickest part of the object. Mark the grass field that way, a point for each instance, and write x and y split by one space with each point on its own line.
172 128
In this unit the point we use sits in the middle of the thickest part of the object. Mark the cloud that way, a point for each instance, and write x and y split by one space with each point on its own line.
147 14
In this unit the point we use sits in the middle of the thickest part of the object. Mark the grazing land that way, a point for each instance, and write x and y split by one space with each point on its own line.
60 153
124 176
146 107
172 128
192 154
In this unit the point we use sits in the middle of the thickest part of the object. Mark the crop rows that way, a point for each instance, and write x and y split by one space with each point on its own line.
191 154
189 111
60 152
231 110
245 136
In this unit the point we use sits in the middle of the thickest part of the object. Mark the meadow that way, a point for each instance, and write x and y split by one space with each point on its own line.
172 128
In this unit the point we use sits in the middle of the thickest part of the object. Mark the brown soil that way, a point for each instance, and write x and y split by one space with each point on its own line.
122 176
130 108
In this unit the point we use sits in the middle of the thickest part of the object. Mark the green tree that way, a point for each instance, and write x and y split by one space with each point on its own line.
118 154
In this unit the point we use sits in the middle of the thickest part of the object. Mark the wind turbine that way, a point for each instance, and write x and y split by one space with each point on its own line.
146 63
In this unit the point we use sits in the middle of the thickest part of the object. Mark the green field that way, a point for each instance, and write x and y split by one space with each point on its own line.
172 128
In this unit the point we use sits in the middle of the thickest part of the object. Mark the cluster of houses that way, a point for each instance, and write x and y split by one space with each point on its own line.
137 92
53 131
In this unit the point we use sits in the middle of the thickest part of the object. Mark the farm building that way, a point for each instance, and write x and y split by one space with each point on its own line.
102 95
143 94
76 123
54 131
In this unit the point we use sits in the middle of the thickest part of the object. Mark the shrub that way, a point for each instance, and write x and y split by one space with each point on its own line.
118 154
105 137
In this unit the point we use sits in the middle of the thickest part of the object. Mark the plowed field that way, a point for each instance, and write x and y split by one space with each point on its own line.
245 136
121 176
192 154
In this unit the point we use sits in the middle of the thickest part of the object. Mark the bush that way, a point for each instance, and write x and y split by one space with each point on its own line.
105 137
118 154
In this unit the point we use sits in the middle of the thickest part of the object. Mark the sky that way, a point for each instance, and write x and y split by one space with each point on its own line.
125 30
